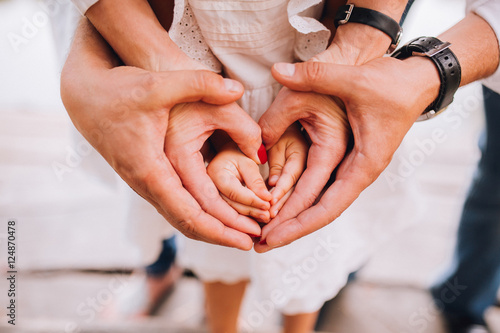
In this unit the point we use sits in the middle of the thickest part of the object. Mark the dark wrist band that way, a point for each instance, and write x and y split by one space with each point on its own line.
382 22
447 65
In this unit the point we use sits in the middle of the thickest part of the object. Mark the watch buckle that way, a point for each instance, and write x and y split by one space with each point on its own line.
432 52
347 16
394 46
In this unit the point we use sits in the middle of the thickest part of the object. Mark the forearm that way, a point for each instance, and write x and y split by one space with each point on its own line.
355 43
476 47
134 32
89 53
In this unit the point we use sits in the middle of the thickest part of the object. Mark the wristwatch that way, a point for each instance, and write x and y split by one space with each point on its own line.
447 65
373 18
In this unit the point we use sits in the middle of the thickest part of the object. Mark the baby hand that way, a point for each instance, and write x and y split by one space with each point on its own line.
240 183
287 161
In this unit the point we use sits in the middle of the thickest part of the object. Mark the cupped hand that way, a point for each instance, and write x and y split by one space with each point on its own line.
326 124
190 125
240 183
287 161
383 98
123 112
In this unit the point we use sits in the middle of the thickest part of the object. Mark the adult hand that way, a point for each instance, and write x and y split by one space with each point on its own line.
190 125
383 98
124 111
326 124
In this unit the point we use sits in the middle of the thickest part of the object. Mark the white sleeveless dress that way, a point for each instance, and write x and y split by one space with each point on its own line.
242 40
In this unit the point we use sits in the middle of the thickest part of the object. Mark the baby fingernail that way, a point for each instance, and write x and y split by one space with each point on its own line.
253 236
273 179
262 154
285 68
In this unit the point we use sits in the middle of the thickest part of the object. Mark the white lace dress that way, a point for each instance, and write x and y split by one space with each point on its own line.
243 39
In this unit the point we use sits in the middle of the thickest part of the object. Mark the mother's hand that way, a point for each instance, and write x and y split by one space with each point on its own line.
124 111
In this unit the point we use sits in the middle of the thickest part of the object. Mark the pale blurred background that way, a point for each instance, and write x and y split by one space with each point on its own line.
72 241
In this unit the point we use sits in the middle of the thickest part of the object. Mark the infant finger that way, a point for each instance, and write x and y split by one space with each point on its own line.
232 188
254 181
290 174
275 208
277 160
258 214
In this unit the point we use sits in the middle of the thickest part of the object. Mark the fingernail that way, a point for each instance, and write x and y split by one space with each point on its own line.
262 154
262 242
231 85
273 179
285 68
253 236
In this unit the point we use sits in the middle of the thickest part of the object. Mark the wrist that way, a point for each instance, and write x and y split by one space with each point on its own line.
365 30
137 37
356 44
446 64
426 82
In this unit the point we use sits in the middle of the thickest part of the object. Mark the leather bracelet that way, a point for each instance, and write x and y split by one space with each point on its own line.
373 18
447 65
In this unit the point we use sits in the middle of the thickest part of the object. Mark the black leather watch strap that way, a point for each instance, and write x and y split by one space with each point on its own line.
373 18
447 64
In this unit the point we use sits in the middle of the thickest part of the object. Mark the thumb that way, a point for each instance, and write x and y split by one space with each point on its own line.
177 87
280 115
242 129
320 77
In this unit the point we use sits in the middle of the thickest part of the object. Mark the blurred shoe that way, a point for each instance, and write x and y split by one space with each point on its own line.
143 295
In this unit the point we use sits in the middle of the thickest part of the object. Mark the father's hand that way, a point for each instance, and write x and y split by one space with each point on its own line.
383 98
124 112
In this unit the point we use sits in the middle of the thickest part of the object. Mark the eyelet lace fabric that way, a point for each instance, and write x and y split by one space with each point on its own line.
186 33
311 37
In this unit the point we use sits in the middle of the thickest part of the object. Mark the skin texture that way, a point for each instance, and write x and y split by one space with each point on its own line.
124 113
379 123
240 183
474 43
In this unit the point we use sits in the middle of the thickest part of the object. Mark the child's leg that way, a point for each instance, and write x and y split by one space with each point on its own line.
300 323
223 305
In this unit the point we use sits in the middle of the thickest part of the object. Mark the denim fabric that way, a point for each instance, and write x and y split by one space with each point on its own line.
165 259
471 285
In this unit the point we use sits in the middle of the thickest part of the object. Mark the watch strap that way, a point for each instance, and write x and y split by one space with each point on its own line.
373 18
446 63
